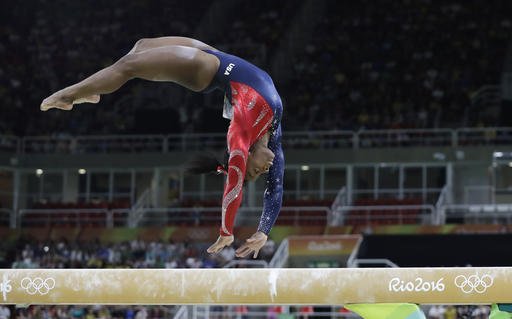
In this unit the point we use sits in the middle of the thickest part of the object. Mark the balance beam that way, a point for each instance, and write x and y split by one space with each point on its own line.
263 286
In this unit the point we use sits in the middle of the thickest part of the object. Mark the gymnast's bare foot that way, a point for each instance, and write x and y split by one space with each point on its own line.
59 101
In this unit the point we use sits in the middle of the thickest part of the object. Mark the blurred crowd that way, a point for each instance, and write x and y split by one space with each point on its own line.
126 254
220 312
376 65
93 312
401 64
458 312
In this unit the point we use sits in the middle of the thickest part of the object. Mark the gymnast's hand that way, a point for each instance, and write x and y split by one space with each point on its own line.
253 244
221 242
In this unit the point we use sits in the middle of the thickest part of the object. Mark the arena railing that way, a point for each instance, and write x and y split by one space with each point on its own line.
319 139
48 145
10 144
280 257
405 137
427 195
359 215
341 199
56 199
195 142
483 136
389 214
443 199
498 214
66 217
121 144
480 194
97 144
287 194
289 215
137 210
160 216
291 140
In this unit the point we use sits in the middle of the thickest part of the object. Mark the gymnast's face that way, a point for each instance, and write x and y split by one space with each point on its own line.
258 162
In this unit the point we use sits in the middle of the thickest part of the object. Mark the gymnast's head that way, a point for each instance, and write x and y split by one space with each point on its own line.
259 161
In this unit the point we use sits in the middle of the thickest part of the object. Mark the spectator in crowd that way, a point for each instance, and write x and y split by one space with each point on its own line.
141 313
436 312
450 313
5 312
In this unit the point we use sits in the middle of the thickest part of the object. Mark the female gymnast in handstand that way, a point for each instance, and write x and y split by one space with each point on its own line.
251 103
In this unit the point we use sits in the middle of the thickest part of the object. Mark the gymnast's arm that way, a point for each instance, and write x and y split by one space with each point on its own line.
272 200
273 195
232 197
233 189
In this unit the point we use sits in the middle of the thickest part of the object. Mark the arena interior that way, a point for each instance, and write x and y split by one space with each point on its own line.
397 134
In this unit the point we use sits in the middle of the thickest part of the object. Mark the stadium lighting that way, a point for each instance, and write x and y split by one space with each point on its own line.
39 172
498 154
304 168
82 171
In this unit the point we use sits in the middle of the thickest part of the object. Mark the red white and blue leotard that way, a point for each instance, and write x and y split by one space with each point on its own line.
254 107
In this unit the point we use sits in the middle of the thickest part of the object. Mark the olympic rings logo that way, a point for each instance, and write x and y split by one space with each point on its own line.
37 285
473 283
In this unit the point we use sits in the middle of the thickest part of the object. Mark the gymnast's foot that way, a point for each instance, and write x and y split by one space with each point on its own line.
62 102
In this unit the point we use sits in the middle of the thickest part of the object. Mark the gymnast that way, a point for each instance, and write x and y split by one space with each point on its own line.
251 103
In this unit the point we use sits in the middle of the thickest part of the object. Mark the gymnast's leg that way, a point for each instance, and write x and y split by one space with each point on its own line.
186 66
151 43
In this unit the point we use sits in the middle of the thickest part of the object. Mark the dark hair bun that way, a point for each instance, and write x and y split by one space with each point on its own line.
204 164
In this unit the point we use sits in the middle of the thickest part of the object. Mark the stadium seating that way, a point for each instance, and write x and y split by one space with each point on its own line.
376 65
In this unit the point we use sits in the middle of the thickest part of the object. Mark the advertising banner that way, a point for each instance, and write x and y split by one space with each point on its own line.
333 245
